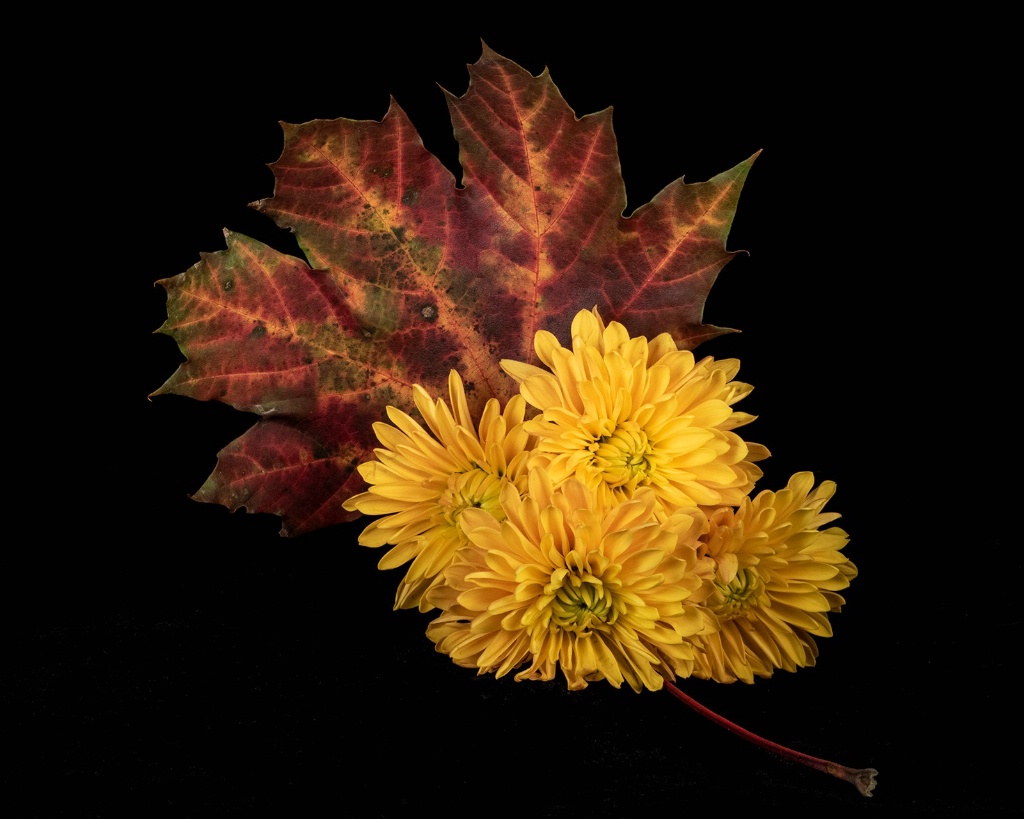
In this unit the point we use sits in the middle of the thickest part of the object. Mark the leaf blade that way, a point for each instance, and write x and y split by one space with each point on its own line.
410 276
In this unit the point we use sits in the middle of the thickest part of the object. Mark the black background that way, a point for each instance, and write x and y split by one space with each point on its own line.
170 657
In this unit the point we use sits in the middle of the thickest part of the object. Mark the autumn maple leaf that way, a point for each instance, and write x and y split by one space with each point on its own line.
409 276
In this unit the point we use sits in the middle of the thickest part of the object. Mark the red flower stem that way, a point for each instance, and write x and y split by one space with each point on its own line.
863 779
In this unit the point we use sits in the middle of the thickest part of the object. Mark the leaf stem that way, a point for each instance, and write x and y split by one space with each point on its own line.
863 779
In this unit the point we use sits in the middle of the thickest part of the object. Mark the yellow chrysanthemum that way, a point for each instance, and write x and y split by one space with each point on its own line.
618 413
422 481
601 593
776 579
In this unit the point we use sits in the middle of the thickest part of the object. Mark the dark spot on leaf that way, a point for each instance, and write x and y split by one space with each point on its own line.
383 173
228 285
381 243
410 196
536 187
399 233
429 312
258 331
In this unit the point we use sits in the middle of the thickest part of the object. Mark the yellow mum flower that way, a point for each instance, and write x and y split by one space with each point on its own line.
601 593
618 413
422 480
776 579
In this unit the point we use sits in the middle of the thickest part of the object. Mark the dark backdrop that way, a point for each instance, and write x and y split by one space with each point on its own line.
172 657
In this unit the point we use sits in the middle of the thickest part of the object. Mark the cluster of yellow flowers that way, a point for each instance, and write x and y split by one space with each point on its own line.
611 534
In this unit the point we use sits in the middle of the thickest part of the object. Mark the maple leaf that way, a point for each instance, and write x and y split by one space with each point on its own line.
409 276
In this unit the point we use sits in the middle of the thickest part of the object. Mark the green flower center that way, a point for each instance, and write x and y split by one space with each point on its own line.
741 593
580 602
624 457
476 488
